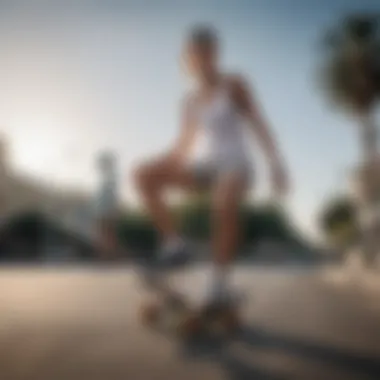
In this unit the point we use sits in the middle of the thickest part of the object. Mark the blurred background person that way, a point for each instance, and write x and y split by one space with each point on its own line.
106 208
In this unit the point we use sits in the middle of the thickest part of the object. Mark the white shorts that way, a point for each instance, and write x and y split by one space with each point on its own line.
206 174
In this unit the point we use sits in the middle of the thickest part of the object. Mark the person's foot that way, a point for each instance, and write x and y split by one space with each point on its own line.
173 256
219 298
220 303
219 294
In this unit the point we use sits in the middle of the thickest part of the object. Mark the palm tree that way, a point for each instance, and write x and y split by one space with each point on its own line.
338 223
351 74
351 78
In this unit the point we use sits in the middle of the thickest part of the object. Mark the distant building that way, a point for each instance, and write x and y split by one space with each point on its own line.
73 209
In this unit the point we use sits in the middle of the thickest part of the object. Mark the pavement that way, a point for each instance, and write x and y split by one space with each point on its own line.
78 323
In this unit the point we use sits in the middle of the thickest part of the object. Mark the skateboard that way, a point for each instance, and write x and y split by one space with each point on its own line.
171 311
187 321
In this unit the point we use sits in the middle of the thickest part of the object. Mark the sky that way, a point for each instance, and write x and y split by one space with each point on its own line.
81 76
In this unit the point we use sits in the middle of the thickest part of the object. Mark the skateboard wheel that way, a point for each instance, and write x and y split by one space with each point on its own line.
189 325
223 322
150 313
230 321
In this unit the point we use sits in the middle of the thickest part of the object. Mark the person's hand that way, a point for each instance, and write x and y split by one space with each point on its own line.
173 157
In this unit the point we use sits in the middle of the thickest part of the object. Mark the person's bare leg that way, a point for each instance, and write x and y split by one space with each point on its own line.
228 196
106 239
152 180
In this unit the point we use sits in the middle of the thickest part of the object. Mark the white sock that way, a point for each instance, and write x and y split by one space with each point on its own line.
219 286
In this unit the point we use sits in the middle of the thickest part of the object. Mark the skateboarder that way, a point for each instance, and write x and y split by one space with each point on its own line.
222 108
106 209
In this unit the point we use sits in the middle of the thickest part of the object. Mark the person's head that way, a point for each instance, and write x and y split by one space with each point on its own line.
106 162
201 52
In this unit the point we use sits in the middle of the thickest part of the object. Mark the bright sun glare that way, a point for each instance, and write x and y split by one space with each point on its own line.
35 143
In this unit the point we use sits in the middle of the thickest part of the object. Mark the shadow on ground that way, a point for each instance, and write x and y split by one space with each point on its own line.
359 366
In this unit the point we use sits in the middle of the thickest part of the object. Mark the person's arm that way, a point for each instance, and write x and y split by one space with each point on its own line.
188 130
251 111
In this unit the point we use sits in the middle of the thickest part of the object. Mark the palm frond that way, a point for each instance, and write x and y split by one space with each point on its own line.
350 74
362 28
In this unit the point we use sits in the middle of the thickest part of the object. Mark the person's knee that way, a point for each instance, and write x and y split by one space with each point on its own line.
146 177
141 176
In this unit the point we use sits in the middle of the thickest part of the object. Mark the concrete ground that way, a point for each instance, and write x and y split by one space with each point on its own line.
82 323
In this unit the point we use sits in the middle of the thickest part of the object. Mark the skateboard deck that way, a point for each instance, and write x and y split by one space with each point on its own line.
187 321
167 310
164 309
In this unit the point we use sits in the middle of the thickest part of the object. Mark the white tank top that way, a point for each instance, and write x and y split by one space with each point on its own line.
222 131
